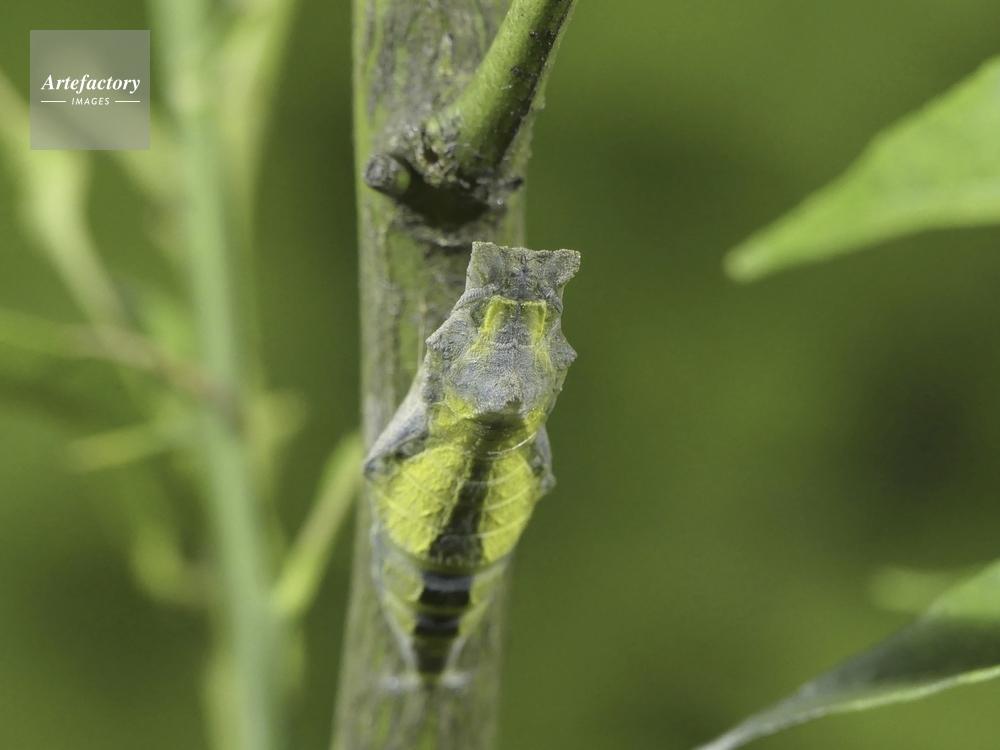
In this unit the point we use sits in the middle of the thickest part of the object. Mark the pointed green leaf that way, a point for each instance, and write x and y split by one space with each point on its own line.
937 168
956 642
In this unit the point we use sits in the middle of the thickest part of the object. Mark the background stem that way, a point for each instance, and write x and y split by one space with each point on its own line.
245 693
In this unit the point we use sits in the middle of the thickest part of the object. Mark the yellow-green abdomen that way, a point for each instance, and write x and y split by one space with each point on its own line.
446 522
455 511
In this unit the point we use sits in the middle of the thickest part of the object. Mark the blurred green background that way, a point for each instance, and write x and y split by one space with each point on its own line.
735 463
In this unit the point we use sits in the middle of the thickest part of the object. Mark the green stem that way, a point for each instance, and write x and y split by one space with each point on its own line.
463 159
248 628
490 110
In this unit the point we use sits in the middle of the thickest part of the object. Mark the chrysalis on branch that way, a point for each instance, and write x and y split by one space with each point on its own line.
454 477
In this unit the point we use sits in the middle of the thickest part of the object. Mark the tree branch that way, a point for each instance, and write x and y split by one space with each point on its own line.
410 58
455 165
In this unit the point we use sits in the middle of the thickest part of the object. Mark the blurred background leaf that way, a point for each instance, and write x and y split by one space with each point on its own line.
54 186
956 642
936 169
939 168
733 462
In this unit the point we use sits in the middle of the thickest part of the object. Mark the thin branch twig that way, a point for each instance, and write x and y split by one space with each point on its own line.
120 346
125 347
456 155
